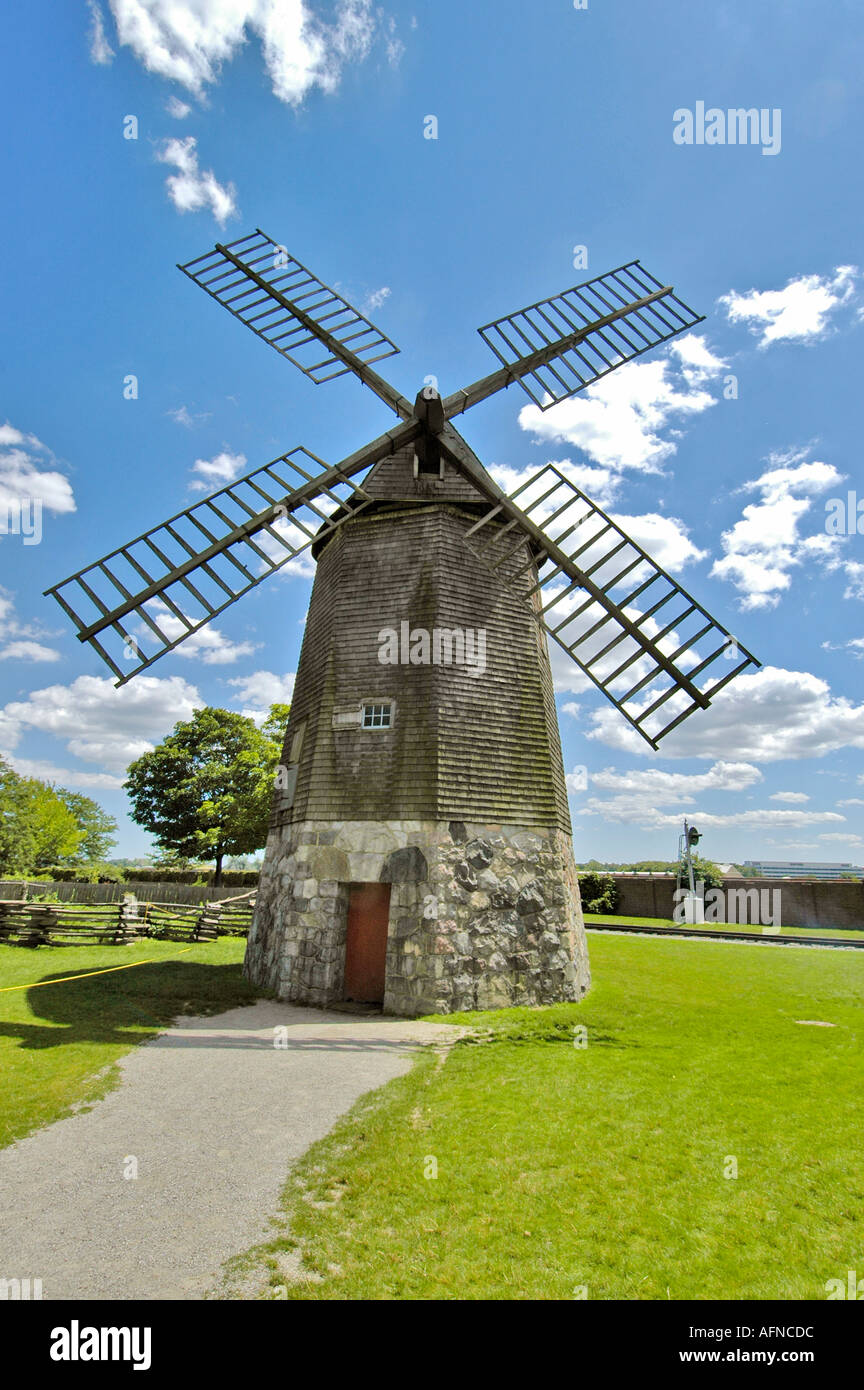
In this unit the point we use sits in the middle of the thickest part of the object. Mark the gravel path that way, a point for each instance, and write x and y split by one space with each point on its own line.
215 1114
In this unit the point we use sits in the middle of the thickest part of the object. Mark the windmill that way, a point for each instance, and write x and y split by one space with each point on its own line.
420 848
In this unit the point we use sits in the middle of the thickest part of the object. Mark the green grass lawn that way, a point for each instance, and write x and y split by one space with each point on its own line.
561 1168
58 1042
719 926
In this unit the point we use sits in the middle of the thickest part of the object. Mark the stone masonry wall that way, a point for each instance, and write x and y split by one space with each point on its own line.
480 916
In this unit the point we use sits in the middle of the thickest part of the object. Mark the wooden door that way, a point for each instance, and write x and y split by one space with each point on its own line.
366 943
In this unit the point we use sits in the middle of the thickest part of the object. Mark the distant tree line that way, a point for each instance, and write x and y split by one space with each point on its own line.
704 869
640 866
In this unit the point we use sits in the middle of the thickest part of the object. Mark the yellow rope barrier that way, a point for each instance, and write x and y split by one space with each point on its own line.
152 960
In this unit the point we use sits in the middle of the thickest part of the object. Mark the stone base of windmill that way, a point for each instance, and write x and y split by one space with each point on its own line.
480 917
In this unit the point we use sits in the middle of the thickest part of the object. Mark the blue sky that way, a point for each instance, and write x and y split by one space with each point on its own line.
555 130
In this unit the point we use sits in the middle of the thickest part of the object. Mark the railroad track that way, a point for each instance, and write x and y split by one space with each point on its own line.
768 939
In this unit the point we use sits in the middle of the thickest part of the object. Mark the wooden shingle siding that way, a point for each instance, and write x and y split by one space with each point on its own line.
481 748
393 479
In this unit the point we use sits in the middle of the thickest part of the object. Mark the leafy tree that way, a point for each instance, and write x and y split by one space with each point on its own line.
36 827
92 871
599 892
705 871
169 859
54 829
205 790
96 826
11 842
276 723
242 863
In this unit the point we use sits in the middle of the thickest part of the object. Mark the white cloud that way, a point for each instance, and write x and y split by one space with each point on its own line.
191 189
18 641
261 690
764 717
394 46
653 799
187 418
189 40
837 562
208 645
600 484
665 538
566 675
854 571
375 299
792 472
652 788
303 566
800 312
851 801
668 786
763 547
22 477
98 722
619 421
221 469
696 357
101 51
28 651
790 797
629 810
177 108
73 779
849 839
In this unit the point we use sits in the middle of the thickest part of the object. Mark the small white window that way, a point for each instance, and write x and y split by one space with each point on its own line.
377 716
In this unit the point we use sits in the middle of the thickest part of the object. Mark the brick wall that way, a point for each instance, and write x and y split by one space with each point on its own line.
811 903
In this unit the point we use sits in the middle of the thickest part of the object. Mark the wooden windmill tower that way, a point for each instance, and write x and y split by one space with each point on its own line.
420 849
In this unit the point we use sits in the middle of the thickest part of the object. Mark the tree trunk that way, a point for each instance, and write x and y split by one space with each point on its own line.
217 877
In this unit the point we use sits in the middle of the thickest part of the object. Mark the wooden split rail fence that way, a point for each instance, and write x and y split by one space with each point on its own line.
44 924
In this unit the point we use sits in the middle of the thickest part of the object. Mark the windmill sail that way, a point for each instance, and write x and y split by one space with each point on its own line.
145 598
312 325
651 648
558 346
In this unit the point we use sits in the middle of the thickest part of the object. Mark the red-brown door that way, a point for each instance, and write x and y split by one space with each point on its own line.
366 945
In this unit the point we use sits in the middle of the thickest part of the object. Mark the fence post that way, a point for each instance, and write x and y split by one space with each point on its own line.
6 910
42 919
128 920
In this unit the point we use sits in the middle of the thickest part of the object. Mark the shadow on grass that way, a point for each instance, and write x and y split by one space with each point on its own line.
555 1033
114 1008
